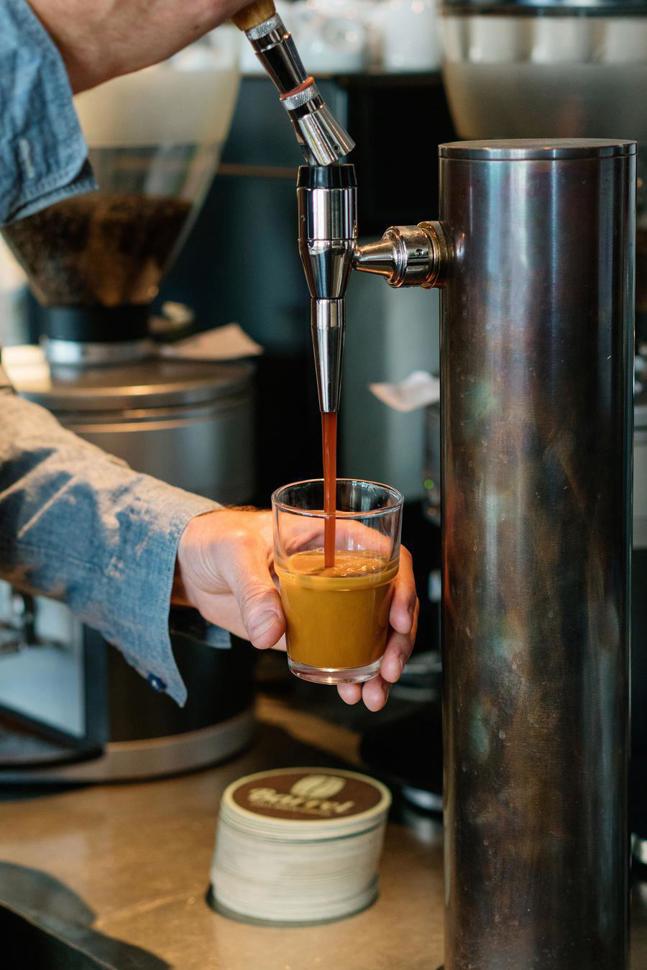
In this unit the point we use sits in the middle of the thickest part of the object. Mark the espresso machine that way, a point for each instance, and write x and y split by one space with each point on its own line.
71 708
534 254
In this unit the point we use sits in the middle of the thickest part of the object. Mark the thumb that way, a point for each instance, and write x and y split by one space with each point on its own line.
259 602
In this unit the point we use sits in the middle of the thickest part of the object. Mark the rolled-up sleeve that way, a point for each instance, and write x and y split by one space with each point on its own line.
43 156
79 525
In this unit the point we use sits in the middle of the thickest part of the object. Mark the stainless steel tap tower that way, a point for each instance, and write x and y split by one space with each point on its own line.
537 365
535 253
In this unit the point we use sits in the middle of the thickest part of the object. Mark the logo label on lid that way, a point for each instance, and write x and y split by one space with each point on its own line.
307 797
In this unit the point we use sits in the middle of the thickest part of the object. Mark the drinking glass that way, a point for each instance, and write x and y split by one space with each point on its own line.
337 615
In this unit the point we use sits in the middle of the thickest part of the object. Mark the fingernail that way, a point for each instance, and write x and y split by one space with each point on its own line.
262 623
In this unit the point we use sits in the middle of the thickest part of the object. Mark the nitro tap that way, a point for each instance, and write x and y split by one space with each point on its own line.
327 207
326 191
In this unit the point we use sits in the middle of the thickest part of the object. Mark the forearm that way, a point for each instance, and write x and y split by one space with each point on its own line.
102 39
78 525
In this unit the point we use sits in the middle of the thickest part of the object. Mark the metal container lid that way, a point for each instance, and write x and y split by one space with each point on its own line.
305 803
635 8
145 384
535 148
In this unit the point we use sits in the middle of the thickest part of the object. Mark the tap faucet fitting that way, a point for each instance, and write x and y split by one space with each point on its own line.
407 255
327 206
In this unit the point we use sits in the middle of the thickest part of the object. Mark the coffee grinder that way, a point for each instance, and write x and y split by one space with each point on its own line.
534 254
72 708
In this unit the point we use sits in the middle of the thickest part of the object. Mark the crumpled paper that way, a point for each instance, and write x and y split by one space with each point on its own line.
418 390
222 343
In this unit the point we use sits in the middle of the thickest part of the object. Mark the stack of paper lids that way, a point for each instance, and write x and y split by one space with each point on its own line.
298 845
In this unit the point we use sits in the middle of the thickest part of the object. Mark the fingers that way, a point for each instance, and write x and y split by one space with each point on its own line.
404 600
223 568
403 618
375 693
251 583
260 608
350 693
397 653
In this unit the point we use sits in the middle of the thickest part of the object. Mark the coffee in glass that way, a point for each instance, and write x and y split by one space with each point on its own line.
337 616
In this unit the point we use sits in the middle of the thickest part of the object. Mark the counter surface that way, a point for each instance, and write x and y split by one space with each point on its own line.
123 871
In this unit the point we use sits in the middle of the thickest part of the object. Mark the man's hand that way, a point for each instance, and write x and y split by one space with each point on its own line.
101 39
225 570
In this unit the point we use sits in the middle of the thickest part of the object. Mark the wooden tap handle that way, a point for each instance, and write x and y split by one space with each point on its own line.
255 13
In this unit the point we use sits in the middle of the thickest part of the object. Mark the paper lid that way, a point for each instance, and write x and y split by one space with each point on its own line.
305 802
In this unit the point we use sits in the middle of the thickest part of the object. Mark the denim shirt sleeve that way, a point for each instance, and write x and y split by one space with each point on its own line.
43 156
78 525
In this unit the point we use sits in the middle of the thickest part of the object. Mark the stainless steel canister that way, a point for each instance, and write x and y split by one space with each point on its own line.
537 360
190 424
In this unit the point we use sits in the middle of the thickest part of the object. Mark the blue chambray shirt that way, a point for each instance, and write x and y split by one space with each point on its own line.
43 156
75 523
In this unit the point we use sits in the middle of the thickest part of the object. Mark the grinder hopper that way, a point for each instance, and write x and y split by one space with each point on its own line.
95 261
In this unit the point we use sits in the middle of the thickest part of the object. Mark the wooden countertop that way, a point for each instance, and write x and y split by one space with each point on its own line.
123 871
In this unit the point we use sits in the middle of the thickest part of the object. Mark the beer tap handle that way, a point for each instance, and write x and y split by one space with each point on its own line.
323 140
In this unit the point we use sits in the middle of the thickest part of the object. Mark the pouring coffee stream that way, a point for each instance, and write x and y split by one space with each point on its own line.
327 206
329 439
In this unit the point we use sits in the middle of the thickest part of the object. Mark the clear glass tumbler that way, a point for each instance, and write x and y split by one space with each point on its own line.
337 616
